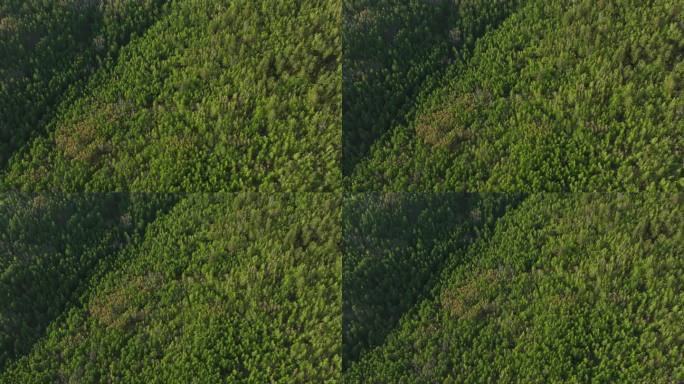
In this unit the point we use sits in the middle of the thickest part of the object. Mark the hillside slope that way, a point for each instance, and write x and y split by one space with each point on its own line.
238 287
567 288
326 191
391 48
214 97
562 96
51 246
48 49
394 248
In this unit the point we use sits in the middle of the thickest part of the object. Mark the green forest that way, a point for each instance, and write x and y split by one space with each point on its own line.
205 96
514 96
166 179
514 173
341 191
220 287
554 288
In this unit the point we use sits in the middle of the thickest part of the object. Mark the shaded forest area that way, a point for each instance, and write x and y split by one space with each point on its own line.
559 96
562 288
49 49
238 287
362 191
211 96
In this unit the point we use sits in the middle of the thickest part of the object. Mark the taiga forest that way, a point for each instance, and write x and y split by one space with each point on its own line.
341 191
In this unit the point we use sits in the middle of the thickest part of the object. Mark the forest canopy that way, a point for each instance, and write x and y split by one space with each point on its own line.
357 191
224 287
560 96
563 288
213 96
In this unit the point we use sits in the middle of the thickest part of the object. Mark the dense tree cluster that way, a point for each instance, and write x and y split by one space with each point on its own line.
171 171
562 96
566 288
215 96
48 49
170 96
394 246
50 248
223 288
391 48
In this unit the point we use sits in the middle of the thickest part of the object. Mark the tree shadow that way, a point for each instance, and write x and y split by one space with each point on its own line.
395 246
49 50
51 246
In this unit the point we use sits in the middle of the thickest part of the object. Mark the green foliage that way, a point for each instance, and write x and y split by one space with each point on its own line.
394 247
48 49
458 106
215 96
51 246
562 96
391 48
567 288
223 288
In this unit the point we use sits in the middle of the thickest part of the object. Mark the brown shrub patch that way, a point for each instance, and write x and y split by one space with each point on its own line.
7 24
451 125
364 18
108 310
444 128
83 140
433 129
470 301
115 309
